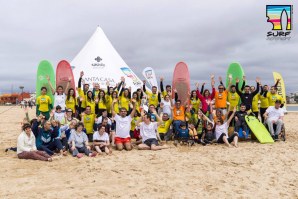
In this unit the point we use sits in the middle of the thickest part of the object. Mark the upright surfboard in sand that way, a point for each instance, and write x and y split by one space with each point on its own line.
45 68
258 129
181 81
281 89
236 70
63 73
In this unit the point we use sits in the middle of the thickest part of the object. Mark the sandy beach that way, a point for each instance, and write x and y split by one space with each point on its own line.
251 171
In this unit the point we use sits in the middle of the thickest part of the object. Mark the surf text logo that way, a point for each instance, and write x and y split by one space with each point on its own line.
280 16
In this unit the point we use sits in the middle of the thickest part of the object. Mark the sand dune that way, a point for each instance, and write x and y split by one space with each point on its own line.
251 171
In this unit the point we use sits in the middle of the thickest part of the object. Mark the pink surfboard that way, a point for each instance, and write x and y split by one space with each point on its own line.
63 73
181 82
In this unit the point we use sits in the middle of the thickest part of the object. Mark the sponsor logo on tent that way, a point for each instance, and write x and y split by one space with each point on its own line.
280 16
130 75
98 64
148 74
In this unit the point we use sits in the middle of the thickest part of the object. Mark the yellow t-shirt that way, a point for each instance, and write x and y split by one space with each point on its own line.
133 123
124 102
43 101
164 126
152 98
264 101
195 104
91 104
101 104
273 97
164 93
89 122
255 103
71 103
233 99
83 96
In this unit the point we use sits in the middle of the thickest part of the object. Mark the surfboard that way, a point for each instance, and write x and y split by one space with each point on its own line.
236 70
181 82
45 68
258 129
63 73
281 89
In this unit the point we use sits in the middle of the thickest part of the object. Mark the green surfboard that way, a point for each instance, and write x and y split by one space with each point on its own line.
258 129
236 70
45 68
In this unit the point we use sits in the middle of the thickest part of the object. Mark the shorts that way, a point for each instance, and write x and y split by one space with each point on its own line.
119 140
151 141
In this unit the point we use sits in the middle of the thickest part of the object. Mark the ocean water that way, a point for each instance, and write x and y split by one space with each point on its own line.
292 108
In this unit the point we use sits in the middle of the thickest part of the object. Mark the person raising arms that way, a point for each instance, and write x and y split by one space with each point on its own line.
148 131
154 96
168 88
221 132
247 97
123 121
71 101
82 93
59 94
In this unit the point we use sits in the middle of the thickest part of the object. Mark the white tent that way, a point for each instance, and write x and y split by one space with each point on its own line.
101 62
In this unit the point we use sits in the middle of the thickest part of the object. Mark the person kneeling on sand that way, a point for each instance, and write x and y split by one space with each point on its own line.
26 147
79 142
149 132
123 125
221 131
101 140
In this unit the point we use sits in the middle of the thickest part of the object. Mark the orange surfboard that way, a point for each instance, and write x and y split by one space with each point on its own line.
63 73
181 82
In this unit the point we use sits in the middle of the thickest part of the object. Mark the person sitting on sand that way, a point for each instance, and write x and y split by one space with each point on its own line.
221 131
79 142
101 141
240 120
123 125
45 137
148 131
208 136
274 115
26 146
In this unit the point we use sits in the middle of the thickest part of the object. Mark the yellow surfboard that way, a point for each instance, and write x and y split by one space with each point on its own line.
281 89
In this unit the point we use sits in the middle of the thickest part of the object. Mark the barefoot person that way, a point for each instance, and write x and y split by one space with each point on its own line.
221 131
149 132
123 125
101 140
26 147
79 142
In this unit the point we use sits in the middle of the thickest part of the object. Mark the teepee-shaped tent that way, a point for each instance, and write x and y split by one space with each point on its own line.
101 63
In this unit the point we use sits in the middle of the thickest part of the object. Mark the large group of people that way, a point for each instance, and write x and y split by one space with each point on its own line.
95 121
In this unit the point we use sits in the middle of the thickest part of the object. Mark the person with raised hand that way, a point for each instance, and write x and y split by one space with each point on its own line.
123 121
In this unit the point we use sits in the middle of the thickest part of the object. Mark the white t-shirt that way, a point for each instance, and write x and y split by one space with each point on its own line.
273 113
60 117
99 121
60 100
148 131
123 126
97 136
219 129
167 107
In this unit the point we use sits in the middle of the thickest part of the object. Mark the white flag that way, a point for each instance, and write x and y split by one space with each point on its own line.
149 74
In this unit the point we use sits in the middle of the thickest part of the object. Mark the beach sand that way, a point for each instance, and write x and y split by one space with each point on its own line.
251 171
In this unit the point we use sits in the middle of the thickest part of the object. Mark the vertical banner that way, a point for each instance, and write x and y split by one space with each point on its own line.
149 74
281 89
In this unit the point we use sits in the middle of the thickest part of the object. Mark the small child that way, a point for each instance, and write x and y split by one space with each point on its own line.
193 133
101 141
208 135
182 134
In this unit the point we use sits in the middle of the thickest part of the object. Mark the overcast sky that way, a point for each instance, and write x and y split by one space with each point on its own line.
207 35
